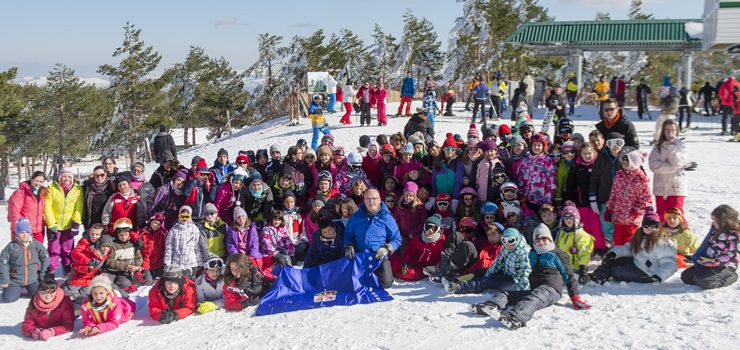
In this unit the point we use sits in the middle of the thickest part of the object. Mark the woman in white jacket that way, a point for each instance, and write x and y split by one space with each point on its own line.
649 257
668 163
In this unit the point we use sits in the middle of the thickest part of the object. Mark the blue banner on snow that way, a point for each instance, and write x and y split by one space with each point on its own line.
340 282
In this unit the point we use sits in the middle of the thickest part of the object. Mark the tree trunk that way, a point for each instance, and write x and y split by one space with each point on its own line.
193 130
19 165
3 170
185 137
46 159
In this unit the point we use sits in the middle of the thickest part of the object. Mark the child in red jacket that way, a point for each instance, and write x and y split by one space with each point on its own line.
155 238
629 197
88 258
173 297
244 283
50 312
421 251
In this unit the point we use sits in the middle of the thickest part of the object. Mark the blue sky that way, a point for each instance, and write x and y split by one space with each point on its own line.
36 34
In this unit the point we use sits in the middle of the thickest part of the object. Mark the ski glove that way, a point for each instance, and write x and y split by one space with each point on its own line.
349 252
690 167
250 302
167 316
95 263
578 303
383 251
583 275
610 256
42 334
75 229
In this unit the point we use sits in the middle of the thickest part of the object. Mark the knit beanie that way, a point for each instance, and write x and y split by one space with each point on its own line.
201 166
66 171
181 174
324 150
473 132
365 141
449 141
239 211
407 148
636 158
487 144
104 241
411 187
139 165
222 152
23 225
542 231
516 139
511 207
274 148
173 274
436 220
650 217
569 208
101 280
504 129
568 146
242 158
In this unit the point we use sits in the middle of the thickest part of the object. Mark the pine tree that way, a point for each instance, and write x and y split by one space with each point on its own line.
221 98
183 79
11 124
135 95
418 50
635 11
267 66
382 55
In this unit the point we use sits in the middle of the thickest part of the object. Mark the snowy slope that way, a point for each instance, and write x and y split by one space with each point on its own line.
669 316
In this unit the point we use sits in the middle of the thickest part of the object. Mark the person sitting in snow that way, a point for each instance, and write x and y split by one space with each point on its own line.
574 241
421 251
716 260
22 262
326 244
173 297
104 310
551 271
459 253
88 258
124 259
510 270
209 286
244 284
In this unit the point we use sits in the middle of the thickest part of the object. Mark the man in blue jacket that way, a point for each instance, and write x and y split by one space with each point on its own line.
408 90
480 94
221 166
372 229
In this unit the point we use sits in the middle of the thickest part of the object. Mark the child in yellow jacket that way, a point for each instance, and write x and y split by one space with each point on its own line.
685 238
574 241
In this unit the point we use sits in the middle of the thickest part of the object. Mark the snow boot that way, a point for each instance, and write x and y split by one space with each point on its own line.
480 308
451 287
509 321
736 138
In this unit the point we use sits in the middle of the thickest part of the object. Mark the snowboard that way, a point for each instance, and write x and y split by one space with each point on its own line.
546 121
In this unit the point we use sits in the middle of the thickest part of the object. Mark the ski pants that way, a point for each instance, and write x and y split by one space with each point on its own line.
524 303
622 269
13 291
332 101
407 101
497 282
60 249
709 277
482 105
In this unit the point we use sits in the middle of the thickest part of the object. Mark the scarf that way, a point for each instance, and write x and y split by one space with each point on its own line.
41 306
256 194
433 238
544 248
585 164
610 124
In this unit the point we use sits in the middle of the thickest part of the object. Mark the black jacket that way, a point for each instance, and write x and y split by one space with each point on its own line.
95 201
624 127
320 252
577 185
602 176
417 124
544 273
642 91
163 147
707 91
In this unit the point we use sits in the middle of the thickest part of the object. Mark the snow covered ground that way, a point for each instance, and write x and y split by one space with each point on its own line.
422 316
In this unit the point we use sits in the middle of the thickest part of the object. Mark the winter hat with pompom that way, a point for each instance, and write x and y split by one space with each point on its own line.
542 231
473 132
636 158
569 208
650 217
101 280
411 187
449 141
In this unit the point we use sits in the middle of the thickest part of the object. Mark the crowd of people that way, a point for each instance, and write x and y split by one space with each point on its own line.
506 209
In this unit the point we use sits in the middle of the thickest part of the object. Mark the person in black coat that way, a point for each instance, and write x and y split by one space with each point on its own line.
163 146
642 94
257 200
419 123
707 91
614 119
164 173
98 188
326 243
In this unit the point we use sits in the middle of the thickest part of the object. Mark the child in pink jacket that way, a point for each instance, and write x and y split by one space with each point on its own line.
104 311
629 197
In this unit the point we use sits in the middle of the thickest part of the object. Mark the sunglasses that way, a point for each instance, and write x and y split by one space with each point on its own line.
450 149
569 152
614 143
443 204
652 225
467 230
508 240
555 155
215 264
100 175
609 109
242 162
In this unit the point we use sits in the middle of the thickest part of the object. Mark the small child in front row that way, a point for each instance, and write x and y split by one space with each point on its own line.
686 241
276 241
104 310
21 263
576 243
551 271
209 286
50 313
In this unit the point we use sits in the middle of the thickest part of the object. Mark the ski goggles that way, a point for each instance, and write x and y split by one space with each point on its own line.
569 152
508 240
215 264
614 143
339 152
651 224
674 211
450 149
509 191
443 204
431 227
184 216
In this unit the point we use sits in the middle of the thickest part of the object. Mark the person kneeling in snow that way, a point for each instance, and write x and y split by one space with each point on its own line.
209 286
244 284
550 272
104 311
173 297
422 251
373 229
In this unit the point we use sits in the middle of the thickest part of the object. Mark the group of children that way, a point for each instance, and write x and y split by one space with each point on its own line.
521 217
